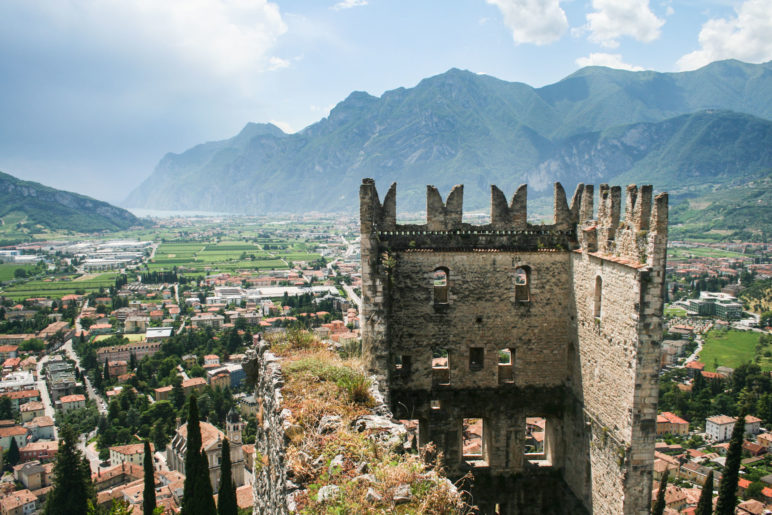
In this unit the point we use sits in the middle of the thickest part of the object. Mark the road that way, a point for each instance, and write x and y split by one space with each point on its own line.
353 296
47 404
90 392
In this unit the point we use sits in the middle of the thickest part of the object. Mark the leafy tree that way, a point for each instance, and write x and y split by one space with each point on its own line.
72 489
148 501
6 408
226 499
13 453
705 504
727 489
659 506
197 490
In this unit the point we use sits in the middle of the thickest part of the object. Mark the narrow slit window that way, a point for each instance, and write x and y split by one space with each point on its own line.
476 358
440 281
402 364
598 297
522 284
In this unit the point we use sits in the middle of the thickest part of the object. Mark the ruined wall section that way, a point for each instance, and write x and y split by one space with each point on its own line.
618 331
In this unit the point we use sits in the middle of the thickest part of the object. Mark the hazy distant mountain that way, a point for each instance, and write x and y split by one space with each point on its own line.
31 204
677 130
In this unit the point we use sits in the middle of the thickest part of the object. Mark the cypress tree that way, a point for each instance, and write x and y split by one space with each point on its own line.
72 489
727 489
13 453
705 504
226 498
197 496
107 372
659 506
148 502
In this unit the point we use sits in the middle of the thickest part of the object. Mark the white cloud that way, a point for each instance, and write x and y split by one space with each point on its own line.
224 37
613 19
533 21
348 4
747 37
609 60
277 63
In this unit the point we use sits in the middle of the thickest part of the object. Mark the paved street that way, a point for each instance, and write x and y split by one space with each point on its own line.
44 397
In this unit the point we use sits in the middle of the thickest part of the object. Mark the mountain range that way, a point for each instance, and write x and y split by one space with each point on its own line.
690 133
27 206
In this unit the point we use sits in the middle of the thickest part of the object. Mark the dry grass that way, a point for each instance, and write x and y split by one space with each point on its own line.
319 382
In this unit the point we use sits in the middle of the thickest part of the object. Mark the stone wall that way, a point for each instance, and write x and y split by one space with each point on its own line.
586 364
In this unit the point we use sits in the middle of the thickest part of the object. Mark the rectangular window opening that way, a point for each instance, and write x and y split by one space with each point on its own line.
473 444
402 364
476 358
537 445
506 366
440 366
436 404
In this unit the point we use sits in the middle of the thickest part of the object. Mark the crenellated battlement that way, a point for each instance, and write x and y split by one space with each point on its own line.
574 226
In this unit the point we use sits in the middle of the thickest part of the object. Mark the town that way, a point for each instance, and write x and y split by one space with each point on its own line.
112 337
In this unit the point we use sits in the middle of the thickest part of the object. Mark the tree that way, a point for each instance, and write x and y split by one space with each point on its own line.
197 496
106 373
13 453
727 489
148 499
659 506
6 408
705 504
72 489
226 499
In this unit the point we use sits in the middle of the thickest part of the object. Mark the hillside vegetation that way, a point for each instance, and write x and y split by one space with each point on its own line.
28 207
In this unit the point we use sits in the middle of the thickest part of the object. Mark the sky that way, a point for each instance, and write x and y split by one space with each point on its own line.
93 93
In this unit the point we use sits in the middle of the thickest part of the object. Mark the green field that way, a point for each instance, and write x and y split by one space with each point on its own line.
675 312
680 252
133 338
58 289
7 270
731 349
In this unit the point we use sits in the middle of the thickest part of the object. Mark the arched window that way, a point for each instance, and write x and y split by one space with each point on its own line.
598 296
440 281
523 284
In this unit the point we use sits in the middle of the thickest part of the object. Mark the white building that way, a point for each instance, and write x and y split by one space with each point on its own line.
719 428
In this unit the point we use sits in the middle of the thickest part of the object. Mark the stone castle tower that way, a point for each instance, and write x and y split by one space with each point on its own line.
509 328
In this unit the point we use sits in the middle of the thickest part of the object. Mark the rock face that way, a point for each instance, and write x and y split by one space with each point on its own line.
692 129
490 330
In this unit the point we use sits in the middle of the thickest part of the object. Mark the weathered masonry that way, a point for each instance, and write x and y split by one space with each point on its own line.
509 328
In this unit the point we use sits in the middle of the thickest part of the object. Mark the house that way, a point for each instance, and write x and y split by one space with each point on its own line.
754 449
41 428
695 367
131 453
211 445
136 324
41 450
31 410
18 433
219 379
207 320
190 360
670 423
211 359
124 352
117 368
8 351
765 439
719 428
32 474
61 328
22 397
752 425
117 475
194 384
20 502
163 393
70 402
